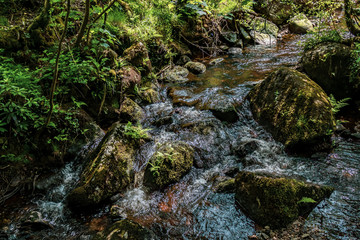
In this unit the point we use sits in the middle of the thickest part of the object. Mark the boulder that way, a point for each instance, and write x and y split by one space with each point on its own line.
183 60
138 56
276 201
168 164
177 75
125 229
109 167
150 95
294 109
263 38
131 111
300 24
329 65
264 26
129 76
195 67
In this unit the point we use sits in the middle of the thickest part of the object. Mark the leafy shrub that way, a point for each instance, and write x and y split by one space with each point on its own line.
320 37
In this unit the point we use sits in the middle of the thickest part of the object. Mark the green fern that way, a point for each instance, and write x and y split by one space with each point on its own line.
306 200
337 105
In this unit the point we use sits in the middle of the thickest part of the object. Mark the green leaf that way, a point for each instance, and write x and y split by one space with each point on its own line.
306 200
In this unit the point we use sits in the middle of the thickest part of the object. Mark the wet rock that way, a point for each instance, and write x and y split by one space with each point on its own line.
230 37
177 74
227 185
246 36
183 60
131 111
263 38
300 24
168 164
235 51
276 201
108 170
195 67
294 109
34 222
138 56
216 61
125 229
329 65
246 148
150 95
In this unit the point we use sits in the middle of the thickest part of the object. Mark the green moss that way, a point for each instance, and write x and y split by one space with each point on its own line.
168 165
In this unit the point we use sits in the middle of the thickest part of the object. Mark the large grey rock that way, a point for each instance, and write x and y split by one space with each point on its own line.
196 67
263 38
177 74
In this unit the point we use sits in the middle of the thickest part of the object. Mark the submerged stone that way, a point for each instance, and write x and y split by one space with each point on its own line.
277 201
109 168
168 164
294 109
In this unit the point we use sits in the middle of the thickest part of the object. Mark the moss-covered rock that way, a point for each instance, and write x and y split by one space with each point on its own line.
168 164
264 26
263 38
300 24
294 109
150 95
138 56
329 65
125 229
12 38
276 201
108 169
129 76
131 111
279 11
177 74
195 67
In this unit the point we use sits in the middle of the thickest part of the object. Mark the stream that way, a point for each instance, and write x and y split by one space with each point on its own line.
191 209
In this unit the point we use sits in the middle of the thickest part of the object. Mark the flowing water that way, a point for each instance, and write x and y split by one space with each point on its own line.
191 209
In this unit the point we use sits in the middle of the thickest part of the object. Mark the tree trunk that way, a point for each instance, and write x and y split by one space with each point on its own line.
84 23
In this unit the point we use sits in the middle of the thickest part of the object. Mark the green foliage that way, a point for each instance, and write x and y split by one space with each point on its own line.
160 157
21 99
355 67
337 105
320 37
306 200
135 132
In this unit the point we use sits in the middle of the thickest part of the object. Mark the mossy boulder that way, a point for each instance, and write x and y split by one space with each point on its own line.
177 74
300 24
294 109
329 65
131 111
138 56
263 38
168 164
279 12
150 95
108 169
125 229
129 76
264 26
276 201
195 67
12 38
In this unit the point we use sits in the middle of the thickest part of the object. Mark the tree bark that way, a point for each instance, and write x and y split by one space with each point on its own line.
84 23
